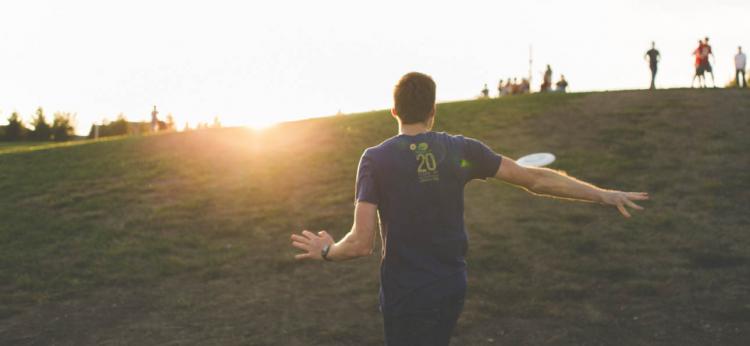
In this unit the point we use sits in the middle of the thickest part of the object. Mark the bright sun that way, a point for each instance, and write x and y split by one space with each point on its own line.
261 124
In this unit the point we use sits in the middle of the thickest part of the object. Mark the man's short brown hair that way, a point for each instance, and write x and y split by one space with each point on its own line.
414 97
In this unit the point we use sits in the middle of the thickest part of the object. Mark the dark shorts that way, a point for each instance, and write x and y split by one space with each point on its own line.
428 326
428 316
699 70
706 66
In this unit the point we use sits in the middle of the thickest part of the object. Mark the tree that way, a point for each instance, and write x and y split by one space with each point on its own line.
111 128
15 131
62 126
118 127
42 131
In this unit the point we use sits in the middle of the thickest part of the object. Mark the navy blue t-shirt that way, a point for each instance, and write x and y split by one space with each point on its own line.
418 182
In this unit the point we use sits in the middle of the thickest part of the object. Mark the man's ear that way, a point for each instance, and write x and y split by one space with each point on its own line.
395 115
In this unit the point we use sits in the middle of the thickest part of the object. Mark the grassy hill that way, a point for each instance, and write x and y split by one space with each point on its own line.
183 238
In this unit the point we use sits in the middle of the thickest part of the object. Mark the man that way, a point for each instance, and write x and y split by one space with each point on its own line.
562 84
653 59
739 65
706 52
547 80
154 120
415 181
699 66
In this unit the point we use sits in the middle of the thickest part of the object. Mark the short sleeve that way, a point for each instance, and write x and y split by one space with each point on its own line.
366 187
480 160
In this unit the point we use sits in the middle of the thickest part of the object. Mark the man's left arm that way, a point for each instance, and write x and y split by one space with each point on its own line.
357 243
548 182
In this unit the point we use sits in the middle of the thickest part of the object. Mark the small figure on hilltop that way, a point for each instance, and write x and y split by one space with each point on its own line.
699 66
525 87
706 53
547 81
154 120
739 65
653 60
485 91
500 88
562 84
508 88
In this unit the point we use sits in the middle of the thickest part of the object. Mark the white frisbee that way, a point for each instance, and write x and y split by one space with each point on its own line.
536 160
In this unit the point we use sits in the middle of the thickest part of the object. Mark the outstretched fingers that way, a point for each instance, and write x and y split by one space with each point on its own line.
622 210
301 239
301 246
637 195
309 235
633 205
302 243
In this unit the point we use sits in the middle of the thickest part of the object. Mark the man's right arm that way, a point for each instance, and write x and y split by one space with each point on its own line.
548 182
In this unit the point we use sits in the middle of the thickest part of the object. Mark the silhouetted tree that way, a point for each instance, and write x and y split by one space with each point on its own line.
42 131
117 127
113 128
15 131
62 126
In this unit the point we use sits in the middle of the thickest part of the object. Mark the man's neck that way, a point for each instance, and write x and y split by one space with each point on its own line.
412 129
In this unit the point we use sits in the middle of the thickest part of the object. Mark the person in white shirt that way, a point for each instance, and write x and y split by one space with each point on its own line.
739 64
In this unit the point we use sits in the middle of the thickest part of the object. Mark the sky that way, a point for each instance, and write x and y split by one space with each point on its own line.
253 63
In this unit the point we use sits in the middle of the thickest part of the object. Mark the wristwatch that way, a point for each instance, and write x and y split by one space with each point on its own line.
324 252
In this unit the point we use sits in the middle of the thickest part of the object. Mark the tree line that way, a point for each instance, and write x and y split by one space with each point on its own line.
61 128
121 126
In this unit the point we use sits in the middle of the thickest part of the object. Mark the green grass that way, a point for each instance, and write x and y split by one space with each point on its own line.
183 238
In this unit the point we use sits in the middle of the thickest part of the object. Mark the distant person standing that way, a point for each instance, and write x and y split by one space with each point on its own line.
699 66
739 65
508 88
562 84
485 91
653 60
500 88
547 81
706 53
154 120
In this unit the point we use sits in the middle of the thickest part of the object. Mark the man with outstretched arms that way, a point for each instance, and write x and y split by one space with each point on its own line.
653 62
706 53
415 182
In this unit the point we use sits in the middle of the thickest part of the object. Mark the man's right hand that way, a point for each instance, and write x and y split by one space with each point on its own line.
311 243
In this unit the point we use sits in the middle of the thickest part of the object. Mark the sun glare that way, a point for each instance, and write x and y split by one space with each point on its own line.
261 124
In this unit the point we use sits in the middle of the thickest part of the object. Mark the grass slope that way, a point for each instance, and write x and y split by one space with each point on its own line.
183 238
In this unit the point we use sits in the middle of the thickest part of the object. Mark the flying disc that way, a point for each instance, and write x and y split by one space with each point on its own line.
536 160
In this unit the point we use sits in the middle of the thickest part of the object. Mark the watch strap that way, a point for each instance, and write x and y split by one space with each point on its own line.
324 252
